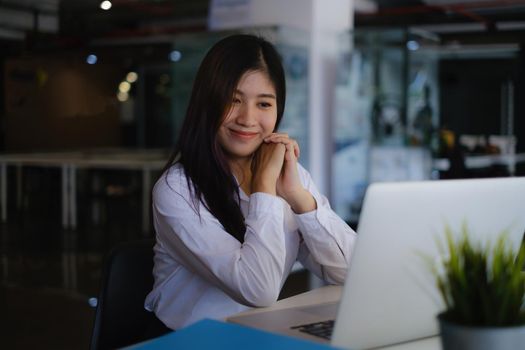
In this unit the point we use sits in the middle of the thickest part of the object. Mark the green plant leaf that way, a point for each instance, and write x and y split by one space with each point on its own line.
481 285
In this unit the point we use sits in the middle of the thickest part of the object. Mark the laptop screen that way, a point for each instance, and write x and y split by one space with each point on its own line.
389 295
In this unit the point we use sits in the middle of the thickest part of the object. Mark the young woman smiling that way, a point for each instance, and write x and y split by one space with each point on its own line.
234 209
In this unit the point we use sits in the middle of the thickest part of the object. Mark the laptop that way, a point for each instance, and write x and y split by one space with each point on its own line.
389 295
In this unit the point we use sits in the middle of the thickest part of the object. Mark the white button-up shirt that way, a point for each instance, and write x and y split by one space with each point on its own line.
201 271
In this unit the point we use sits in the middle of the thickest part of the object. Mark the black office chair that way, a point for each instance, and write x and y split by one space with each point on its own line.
120 318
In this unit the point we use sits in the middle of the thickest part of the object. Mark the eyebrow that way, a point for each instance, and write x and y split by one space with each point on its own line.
259 95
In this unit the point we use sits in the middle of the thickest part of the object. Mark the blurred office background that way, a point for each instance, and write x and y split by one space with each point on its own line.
92 99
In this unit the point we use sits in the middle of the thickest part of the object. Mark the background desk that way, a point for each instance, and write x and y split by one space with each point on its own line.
145 161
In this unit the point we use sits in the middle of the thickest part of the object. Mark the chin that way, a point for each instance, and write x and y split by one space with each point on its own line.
244 154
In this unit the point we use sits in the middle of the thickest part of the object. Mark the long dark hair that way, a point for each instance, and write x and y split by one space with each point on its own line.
203 159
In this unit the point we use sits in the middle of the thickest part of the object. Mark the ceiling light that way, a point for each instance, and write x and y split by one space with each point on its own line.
131 77
124 86
510 25
412 45
91 59
122 96
175 56
106 5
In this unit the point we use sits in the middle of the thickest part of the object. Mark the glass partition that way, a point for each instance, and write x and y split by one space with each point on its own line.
413 105
385 114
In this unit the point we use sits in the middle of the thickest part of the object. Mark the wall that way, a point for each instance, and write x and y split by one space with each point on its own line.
60 102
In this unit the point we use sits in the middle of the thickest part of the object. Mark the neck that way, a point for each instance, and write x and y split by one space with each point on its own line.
241 169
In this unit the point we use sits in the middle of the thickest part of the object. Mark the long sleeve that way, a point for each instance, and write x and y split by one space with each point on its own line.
250 273
327 240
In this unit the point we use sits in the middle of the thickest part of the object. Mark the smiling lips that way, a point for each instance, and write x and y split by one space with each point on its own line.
243 134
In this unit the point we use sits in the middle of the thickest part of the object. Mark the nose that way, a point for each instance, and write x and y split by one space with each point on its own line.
246 116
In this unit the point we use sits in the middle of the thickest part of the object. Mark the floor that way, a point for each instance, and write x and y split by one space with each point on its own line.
49 275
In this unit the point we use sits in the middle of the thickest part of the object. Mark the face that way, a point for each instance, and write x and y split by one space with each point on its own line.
252 116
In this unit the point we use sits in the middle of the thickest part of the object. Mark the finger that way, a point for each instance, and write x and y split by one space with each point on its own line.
276 136
282 152
297 150
279 139
279 134
286 141
290 152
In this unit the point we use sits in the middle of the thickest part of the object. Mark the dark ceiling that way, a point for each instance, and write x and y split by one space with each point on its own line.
463 21
414 12
81 21
131 17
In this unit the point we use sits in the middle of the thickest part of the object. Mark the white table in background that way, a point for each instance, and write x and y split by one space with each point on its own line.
145 161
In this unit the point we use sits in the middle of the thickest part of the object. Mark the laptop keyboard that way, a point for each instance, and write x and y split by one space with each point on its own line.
322 329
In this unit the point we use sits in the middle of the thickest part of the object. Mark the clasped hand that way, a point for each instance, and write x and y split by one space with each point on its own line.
274 171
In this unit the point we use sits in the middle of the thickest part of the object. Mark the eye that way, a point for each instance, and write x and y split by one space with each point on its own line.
265 105
236 100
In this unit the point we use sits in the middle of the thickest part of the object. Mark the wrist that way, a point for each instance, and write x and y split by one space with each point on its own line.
264 186
301 201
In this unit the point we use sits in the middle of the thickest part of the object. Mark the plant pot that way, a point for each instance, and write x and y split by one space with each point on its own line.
461 337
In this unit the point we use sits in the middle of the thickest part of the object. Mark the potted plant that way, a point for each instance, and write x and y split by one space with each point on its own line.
483 288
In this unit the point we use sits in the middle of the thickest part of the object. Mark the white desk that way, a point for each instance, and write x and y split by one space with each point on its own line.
143 160
332 294
482 161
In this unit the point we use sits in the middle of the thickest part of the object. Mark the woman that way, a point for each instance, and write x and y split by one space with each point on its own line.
234 210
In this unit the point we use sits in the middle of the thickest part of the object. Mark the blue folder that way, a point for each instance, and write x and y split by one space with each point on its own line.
212 334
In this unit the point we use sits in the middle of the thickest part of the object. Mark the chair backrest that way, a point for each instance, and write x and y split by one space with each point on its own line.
120 318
